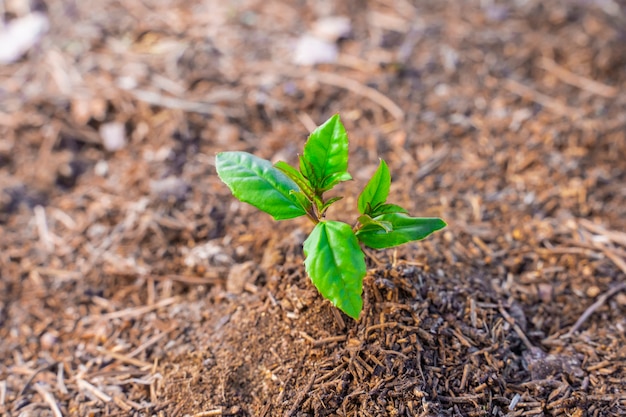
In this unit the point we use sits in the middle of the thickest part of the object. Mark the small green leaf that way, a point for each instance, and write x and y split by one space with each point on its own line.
328 204
387 209
371 224
335 179
296 177
405 229
255 181
336 265
376 190
306 168
303 200
326 155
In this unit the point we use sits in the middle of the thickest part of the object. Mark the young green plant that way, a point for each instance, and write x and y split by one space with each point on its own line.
333 256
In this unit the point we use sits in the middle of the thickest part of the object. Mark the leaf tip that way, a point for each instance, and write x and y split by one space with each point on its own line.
353 312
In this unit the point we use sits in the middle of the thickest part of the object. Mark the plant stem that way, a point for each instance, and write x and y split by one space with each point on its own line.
312 215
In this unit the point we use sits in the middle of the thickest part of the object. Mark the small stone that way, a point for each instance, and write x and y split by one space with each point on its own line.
21 34
593 291
238 276
332 28
113 136
168 187
101 168
48 340
311 50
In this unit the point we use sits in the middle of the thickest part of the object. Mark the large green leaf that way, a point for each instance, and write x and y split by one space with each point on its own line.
255 181
405 229
376 191
336 265
325 157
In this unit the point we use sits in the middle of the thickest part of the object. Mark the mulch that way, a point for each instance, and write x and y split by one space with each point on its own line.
133 283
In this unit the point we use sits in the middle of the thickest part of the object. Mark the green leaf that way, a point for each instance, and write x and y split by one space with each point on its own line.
405 229
336 265
303 200
296 177
328 204
326 155
371 224
387 209
255 181
335 179
376 190
307 171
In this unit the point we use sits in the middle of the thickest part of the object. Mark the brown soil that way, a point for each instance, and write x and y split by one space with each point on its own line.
133 283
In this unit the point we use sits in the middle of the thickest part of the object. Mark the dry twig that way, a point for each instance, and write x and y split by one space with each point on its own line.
327 340
60 382
124 358
132 312
360 89
593 307
49 399
342 81
32 377
548 102
3 392
612 235
576 80
154 339
157 99
86 386
619 262
210 413
516 327
301 396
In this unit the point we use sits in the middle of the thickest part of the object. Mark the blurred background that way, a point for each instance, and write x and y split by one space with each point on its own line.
506 118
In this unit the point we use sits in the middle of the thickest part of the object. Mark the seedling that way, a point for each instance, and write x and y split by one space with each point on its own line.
333 256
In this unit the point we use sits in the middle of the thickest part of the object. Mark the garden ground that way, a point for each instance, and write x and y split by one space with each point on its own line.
133 283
